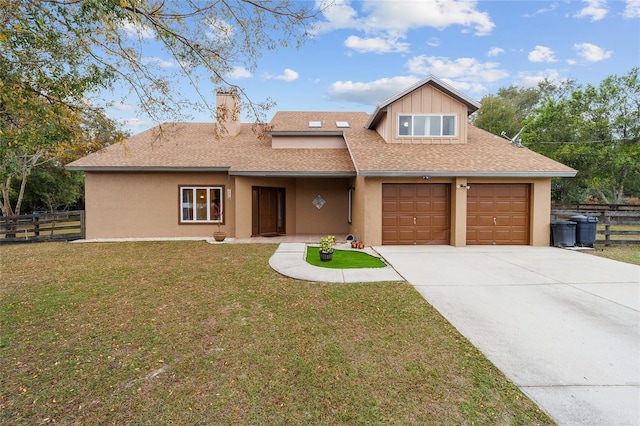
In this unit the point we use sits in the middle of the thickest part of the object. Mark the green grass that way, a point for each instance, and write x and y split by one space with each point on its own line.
623 253
344 259
192 333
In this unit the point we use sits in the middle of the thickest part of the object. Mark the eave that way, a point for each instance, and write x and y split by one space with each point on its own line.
307 133
146 169
462 173
293 174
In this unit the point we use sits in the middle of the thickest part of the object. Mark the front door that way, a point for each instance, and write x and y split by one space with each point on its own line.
268 211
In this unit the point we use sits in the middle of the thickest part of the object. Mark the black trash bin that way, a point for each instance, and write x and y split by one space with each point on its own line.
586 227
563 233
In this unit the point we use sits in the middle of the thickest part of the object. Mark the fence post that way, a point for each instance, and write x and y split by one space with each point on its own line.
82 225
607 227
36 225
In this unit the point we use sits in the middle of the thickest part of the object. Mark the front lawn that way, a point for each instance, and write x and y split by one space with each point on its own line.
344 259
192 333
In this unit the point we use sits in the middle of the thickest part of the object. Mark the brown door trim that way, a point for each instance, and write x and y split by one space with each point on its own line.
268 210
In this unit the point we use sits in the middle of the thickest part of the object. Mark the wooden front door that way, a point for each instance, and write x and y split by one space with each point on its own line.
498 214
268 211
416 213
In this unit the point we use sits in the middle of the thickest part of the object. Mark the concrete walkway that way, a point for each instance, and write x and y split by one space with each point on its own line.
289 260
563 326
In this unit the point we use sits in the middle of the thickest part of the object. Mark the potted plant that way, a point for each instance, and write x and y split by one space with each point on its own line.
219 235
326 248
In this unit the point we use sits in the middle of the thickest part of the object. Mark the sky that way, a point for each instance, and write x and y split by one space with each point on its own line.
365 52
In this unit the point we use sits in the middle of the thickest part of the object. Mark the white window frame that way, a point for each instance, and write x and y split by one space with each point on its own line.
208 200
408 122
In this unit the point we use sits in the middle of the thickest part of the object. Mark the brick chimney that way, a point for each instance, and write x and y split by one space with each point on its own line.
228 111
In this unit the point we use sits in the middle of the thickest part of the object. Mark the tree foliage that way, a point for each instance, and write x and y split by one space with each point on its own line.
506 110
58 54
595 130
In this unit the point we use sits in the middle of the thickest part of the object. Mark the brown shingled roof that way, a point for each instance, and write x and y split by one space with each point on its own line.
484 154
192 146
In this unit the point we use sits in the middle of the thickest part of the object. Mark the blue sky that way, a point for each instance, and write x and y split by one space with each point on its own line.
366 51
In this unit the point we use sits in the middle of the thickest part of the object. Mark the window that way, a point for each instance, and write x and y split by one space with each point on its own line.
201 204
426 125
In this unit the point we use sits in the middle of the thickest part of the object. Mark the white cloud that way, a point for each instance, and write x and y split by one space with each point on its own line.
220 32
288 75
531 80
433 42
240 72
595 9
541 54
137 30
123 106
396 18
495 51
462 71
133 123
370 93
592 53
159 62
552 7
632 9
375 45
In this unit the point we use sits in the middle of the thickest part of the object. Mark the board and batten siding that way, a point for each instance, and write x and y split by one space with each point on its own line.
425 100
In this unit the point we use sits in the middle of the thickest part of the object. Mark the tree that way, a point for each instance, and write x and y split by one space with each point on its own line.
506 111
57 54
595 130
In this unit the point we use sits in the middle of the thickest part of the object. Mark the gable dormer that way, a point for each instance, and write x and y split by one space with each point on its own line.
314 130
429 112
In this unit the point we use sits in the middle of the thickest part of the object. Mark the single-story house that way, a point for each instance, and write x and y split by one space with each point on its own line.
413 172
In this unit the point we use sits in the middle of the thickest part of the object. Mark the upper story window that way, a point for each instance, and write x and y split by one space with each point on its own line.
426 125
201 204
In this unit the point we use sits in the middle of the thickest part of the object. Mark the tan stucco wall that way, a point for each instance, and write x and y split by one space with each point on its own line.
147 204
243 201
330 219
369 217
307 142
301 216
357 226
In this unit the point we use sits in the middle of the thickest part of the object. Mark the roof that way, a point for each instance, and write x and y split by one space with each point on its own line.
484 155
381 109
193 147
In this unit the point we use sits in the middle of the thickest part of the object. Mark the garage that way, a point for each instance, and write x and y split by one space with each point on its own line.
498 214
416 213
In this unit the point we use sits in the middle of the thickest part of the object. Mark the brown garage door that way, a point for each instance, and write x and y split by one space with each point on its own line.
498 214
416 213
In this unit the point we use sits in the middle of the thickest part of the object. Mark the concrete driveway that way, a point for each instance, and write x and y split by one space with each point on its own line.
563 326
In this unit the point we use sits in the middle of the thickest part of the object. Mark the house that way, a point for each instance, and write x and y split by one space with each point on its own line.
413 172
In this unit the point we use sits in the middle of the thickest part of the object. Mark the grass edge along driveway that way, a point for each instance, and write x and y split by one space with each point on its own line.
187 332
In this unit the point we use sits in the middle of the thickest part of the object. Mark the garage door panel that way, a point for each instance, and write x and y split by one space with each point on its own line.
405 221
389 221
406 206
498 214
406 192
422 213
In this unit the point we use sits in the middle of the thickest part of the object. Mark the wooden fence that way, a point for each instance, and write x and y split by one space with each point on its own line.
56 226
617 224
